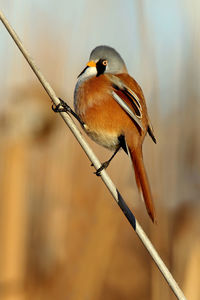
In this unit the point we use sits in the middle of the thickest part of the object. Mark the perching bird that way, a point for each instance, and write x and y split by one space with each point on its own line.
111 106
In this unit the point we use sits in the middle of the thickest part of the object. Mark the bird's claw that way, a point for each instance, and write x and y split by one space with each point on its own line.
61 107
103 167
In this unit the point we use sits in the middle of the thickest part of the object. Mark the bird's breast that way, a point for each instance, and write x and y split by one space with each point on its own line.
104 138
104 118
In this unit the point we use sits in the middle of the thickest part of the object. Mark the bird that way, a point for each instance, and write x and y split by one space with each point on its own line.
111 107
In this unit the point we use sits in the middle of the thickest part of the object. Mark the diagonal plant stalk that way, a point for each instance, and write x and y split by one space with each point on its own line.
104 176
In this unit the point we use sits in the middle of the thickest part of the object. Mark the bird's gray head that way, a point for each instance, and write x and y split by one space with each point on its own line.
104 59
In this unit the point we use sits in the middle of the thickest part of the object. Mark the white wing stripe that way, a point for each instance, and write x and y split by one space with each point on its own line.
127 109
134 96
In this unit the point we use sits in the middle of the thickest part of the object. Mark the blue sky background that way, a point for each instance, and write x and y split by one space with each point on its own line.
155 39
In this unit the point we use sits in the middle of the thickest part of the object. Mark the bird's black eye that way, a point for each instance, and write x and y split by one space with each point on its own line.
101 66
104 62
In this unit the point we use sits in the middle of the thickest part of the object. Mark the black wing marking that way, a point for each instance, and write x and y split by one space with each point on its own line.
135 102
123 104
151 133
136 113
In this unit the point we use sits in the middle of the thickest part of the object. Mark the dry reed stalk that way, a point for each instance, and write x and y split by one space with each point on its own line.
192 288
158 291
106 179
98 249
13 237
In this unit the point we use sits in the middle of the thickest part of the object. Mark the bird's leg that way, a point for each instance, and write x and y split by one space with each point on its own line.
106 163
64 107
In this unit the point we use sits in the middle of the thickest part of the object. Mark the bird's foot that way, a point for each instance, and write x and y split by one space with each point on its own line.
61 107
64 107
103 167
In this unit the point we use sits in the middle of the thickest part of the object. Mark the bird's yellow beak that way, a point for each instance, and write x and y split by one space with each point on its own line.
91 64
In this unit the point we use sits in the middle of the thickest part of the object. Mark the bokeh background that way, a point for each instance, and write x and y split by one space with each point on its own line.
61 234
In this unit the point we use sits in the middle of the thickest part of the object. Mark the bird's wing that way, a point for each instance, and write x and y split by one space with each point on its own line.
125 106
151 132
127 99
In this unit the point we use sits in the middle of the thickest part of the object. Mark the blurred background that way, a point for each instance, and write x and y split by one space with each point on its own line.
61 234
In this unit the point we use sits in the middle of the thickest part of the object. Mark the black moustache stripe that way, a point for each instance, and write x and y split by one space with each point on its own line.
100 67
83 71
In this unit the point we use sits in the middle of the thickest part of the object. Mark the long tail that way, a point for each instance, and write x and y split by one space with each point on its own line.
142 180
